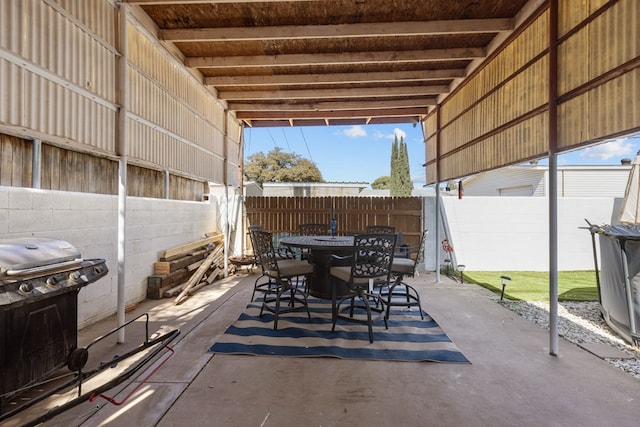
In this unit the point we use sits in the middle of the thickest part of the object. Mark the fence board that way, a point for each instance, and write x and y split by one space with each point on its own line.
282 215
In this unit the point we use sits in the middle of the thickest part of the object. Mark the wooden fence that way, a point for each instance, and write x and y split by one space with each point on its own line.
282 215
67 170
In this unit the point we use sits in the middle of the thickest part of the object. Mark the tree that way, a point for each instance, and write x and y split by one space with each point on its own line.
381 183
400 183
279 166
404 174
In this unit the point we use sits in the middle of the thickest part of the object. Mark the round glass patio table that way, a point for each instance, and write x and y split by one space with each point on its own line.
321 249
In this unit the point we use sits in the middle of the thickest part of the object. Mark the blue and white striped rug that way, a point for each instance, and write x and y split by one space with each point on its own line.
409 338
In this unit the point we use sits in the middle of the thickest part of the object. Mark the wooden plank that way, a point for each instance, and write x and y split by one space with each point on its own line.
173 291
162 267
213 276
183 249
195 278
158 293
163 280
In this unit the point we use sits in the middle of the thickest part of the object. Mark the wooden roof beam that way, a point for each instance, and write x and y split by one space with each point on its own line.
375 29
169 2
344 114
344 122
293 79
287 60
333 105
331 93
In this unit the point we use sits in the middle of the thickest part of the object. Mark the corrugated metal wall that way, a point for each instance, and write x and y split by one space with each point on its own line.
174 121
58 74
59 71
599 65
500 116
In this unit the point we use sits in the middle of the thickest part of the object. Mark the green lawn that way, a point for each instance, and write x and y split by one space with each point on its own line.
534 285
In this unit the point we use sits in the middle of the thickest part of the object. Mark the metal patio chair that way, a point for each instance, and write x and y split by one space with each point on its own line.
287 279
370 266
398 293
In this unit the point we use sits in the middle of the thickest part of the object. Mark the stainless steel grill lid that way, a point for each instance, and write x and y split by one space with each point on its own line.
32 255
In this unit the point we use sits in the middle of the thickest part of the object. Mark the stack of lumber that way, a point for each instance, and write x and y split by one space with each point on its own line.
183 270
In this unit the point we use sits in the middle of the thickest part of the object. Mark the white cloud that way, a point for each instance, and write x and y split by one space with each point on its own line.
396 132
399 133
616 148
355 132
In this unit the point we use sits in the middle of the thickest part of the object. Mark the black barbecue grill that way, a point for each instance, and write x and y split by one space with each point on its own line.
42 371
39 282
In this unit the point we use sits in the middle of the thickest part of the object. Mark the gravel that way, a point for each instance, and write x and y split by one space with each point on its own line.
580 322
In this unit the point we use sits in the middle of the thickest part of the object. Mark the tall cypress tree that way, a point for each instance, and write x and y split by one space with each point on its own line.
394 181
400 183
404 174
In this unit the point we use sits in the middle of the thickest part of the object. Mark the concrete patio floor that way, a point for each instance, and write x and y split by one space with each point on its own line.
512 380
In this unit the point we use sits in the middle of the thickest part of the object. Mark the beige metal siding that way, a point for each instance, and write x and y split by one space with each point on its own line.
430 128
498 117
59 76
175 122
59 73
234 151
600 61
488 123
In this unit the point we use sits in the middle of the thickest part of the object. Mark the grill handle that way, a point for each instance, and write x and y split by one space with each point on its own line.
45 269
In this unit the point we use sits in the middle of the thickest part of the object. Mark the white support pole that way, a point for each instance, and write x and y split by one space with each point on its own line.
36 163
167 182
553 254
553 177
438 219
122 174
226 194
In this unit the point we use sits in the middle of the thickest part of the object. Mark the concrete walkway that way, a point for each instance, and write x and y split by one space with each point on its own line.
512 380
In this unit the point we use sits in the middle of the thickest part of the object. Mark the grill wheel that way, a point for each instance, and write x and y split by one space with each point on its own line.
77 359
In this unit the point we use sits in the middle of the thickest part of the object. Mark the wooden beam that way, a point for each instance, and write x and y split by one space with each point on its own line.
329 78
377 29
171 2
332 93
340 114
341 122
332 105
427 55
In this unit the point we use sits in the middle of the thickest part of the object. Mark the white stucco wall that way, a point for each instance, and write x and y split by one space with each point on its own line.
511 233
89 222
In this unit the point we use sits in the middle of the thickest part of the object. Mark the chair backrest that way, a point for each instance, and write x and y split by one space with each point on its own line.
313 229
381 229
373 255
420 255
265 253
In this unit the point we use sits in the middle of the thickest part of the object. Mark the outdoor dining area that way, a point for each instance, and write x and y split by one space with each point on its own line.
357 273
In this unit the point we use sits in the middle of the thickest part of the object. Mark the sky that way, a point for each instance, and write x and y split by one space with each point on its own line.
362 153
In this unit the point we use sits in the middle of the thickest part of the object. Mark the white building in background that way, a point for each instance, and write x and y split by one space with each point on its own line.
304 189
533 180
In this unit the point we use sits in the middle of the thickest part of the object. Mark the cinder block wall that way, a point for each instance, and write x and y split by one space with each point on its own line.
89 222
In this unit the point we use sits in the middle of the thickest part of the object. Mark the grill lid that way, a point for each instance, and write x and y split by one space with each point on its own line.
28 253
